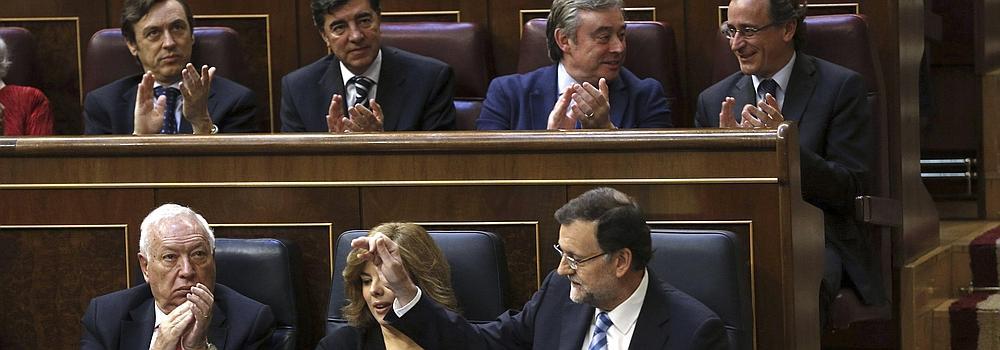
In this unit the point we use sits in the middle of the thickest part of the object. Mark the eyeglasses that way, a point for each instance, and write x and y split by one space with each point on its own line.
747 32
573 263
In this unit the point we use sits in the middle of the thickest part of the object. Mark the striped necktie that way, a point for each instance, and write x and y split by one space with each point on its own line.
600 339
362 85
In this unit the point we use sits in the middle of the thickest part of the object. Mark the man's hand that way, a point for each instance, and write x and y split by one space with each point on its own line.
592 107
364 120
335 114
148 115
201 300
384 254
559 118
195 88
173 327
766 114
726 118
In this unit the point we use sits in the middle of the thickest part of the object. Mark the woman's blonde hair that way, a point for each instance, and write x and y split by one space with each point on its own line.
423 260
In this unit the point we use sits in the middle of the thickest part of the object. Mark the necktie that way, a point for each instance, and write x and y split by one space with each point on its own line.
600 339
362 85
170 111
768 86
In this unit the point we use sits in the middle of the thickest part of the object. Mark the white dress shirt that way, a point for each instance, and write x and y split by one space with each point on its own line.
372 73
781 77
623 318
160 317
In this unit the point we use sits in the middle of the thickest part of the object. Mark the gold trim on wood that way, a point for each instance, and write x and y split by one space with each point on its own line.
538 238
520 15
458 14
79 50
753 280
267 42
124 227
855 5
328 225
749 180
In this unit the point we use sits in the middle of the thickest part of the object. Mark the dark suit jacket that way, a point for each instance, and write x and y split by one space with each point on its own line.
524 101
353 338
124 320
110 109
669 319
415 92
836 142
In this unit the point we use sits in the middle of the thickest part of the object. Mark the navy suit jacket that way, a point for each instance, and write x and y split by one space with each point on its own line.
124 320
415 92
669 319
524 101
836 141
110 109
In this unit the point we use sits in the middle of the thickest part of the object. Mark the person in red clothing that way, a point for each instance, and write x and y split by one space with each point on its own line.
24 110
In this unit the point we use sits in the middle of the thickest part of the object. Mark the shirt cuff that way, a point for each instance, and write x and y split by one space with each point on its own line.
401 310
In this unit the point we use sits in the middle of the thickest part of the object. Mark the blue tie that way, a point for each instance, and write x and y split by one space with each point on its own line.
362 85
768 86
600 339
170 111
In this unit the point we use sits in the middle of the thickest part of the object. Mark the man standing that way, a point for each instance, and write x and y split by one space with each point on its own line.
362 85
180 306
587 87
778 83
172 96
602 296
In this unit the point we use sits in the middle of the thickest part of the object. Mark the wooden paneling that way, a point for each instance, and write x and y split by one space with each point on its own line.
990 161
256 44
49 274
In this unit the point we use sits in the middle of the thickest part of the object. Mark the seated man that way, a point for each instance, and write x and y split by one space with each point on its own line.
172 96
776 83
602 296
180 306
362 85
587 87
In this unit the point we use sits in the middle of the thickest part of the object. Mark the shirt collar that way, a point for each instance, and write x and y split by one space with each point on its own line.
176 85
563 79
624 316
372 73
781 77
160 315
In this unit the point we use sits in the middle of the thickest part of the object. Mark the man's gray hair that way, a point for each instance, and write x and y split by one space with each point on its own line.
158 219
564 15
4 59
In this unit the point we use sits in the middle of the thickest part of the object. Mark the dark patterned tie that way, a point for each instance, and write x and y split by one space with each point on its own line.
600 339
768 86
170 111
362 85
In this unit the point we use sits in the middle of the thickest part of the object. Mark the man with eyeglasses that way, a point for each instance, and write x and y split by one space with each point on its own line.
778 82
363 86
601 297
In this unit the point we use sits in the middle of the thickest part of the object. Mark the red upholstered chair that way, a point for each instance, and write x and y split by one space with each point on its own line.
651 52
21 47
108 58
464 46
844 40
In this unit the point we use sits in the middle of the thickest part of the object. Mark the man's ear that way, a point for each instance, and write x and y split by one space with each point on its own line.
132 47
790 27
143 265
562 39
623 262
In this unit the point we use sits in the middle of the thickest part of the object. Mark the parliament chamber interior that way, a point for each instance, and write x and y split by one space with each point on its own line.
729 222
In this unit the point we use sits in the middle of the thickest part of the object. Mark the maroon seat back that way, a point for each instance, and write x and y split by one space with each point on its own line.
108 58
464 46
21 47
650 52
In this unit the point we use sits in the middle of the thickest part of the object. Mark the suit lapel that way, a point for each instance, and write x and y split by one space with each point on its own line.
619 100
543 95
651 327
801 86
332 82
219 331
576 319
128 99
388 91
745 94
137 332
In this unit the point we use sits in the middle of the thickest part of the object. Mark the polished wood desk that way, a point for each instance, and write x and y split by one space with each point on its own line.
71 207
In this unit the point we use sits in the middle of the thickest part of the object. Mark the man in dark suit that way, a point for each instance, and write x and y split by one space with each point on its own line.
777 83
601 296
180 305
587 87
171 96
362 85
